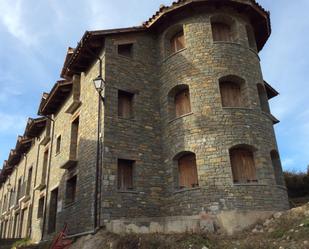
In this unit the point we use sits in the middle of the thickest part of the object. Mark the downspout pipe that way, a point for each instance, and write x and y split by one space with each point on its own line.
48 173
98 172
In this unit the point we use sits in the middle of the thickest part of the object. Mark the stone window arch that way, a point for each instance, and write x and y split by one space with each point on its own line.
243 164
251 37
223 28
187 176
174 40
179 101
263 98
276 163
233 91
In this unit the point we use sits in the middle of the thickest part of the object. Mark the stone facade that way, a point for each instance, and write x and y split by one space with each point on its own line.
152 137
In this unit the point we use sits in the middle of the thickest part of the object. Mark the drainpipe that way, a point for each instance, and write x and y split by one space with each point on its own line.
97 202
33 190
48 173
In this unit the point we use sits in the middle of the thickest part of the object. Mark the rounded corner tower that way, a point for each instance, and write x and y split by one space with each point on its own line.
219 147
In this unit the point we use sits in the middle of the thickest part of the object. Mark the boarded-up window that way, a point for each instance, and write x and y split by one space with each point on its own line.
125 49
187 171
221 32
41 207
44 168
29 181
230 94
243 167
277 167
74 138
178 42
70 193
125 104
58 144
52 217
125 174
182 102
263 98
251 37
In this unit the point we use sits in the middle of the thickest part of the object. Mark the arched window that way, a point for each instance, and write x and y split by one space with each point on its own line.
221 32
232 91
179 101
222 27
187 171
242 163
263 98
275 159
251 37
177 42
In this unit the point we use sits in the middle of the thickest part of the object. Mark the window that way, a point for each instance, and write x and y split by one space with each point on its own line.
52 217
263 98
74 138
125 104
29 181
182 102
44 168
19 190
125 50
251 37
275 159
187 171
58 144
70 193
221 32
125 174
41 207
233 91
230 94
177 42
243 167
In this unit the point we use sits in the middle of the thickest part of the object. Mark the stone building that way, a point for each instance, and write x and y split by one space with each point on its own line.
180 139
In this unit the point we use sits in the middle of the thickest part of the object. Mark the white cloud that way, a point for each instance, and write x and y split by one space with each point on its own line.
12 19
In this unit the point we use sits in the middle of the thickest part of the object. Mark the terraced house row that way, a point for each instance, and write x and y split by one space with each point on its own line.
176 136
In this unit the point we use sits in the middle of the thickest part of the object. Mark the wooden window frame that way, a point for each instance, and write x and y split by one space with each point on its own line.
221 31
53 209
125 104
125 50
243 165
182 102
71 189
41 203
187 171
178 42
125 175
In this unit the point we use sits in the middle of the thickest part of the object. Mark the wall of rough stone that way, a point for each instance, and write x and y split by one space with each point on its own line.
136 139
210 130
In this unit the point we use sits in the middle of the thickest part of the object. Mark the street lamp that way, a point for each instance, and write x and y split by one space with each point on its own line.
99 85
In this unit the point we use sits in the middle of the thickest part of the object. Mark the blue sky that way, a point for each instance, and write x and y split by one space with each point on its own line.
34 36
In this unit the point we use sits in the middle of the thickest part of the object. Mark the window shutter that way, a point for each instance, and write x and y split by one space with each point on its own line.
230 94
182 103
243 167
178 42
221 32
125 104
187 171
125 174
